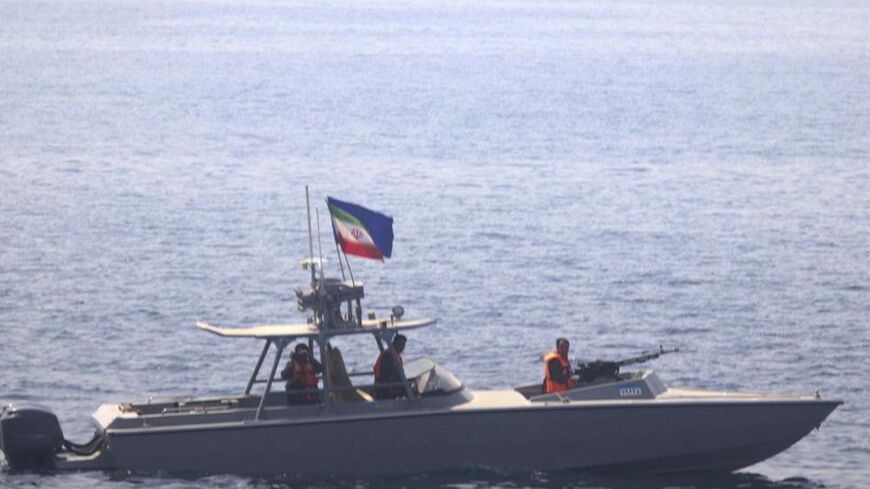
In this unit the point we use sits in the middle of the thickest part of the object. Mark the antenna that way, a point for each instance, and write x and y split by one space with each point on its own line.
319 248
310 238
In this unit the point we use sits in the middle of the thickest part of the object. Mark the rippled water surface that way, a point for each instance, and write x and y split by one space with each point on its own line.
627 174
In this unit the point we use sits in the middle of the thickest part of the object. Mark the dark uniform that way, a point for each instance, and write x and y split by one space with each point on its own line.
387 372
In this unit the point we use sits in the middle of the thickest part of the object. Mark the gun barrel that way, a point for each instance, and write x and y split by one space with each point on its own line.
646 357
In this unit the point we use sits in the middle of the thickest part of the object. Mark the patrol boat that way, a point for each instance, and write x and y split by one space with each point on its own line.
610 420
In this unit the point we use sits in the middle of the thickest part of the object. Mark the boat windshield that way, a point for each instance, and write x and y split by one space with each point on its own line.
430 379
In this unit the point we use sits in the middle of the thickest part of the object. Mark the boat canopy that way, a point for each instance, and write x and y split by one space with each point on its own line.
429 379
275 331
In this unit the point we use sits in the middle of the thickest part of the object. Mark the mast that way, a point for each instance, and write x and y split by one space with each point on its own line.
319 246
310 237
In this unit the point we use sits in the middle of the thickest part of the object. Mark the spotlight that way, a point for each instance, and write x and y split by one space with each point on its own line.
398 312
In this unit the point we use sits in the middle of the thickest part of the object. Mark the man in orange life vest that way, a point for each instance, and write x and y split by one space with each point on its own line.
387 370
557 371
301 376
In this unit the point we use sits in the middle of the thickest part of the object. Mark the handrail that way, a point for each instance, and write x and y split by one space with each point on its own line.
345 388
353 374
204 406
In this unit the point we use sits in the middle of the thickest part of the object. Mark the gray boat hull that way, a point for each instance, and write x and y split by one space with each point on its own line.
640 436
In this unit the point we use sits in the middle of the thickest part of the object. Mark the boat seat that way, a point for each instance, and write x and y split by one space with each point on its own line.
339 381
365 395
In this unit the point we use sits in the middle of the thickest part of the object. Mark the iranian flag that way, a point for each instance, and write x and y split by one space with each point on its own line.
360 231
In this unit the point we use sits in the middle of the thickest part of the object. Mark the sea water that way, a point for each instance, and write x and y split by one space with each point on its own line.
623 173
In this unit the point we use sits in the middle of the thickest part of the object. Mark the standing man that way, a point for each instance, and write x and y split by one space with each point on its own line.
387 368
557 369
301 376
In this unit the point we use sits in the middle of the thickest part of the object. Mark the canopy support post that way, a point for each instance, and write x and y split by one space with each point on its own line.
409 394
257 368
323 344
280 344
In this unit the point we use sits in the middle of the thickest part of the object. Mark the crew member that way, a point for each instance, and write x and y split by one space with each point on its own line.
387 371
557 369
301 376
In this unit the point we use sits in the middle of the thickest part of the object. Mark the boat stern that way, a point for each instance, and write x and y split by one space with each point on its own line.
32 441
29 435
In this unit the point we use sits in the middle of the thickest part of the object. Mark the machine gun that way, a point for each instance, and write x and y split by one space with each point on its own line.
598 369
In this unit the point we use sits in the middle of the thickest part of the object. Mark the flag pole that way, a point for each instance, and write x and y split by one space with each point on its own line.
310 237
349 270
340 264
338 253
334 235
353 282
319 247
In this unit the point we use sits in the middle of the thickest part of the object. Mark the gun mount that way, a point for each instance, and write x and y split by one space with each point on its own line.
606 369
326 296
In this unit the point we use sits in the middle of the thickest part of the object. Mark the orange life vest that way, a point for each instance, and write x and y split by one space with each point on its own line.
303 373
550 384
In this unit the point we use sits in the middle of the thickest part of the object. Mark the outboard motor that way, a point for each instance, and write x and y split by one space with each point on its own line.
29 435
